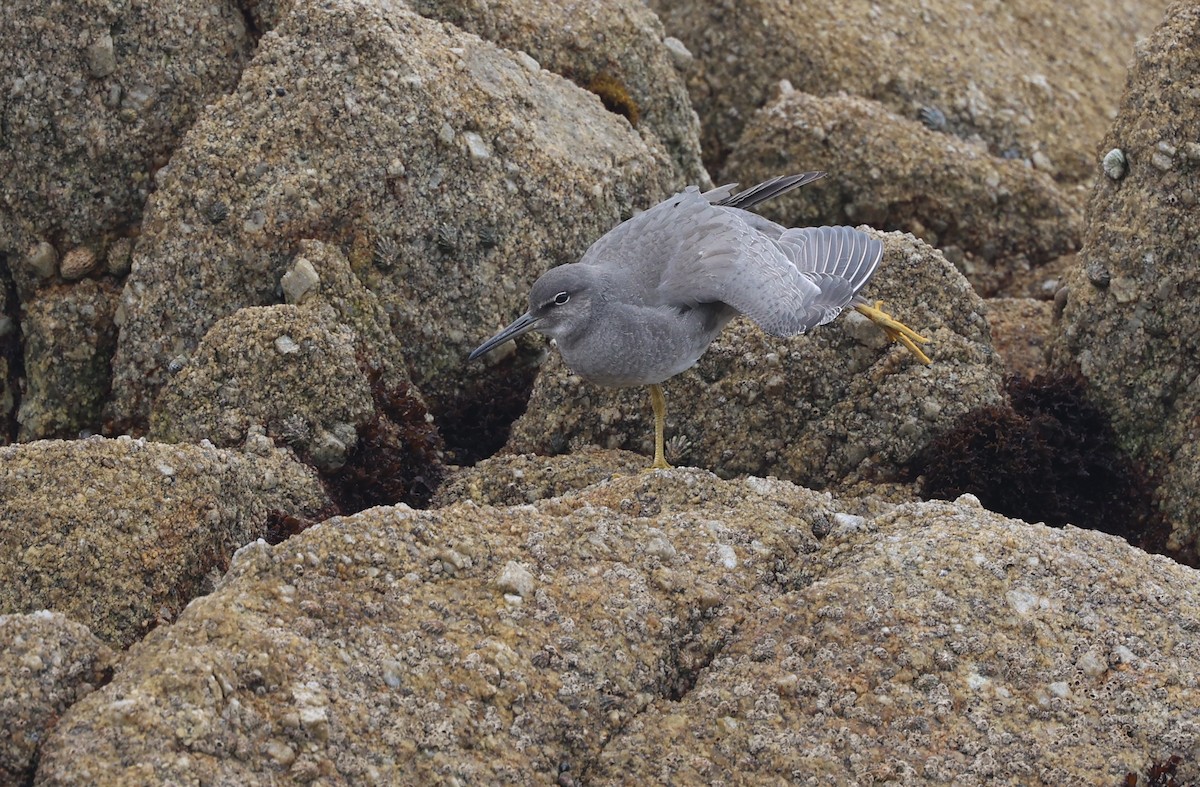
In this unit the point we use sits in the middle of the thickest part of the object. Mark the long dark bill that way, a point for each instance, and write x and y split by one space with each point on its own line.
523 324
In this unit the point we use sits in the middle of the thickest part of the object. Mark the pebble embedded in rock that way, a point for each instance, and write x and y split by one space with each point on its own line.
101 57
478 149
299 282
42 260
286 345
515 579
681 56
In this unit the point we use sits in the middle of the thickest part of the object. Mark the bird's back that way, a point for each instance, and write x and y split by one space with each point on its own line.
638 253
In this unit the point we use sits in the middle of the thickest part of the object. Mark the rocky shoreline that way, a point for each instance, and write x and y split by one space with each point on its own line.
261 524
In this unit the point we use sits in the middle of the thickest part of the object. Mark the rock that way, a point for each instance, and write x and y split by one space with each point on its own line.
458 681
10 371
1045 282
41 260
350 125
1031 80
1129 324
47 664
120 534
834 407
1010 637
613 48
279 367
516 480
98 96
326 378
999 217
516 580
338 295
69 338
1022 330
680 628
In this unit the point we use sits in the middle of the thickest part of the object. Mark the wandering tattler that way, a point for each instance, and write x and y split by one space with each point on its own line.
648 297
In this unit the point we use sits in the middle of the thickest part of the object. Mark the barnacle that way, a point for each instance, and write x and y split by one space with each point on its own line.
1115 164
447 237
216 211
933 118
677 447
386 252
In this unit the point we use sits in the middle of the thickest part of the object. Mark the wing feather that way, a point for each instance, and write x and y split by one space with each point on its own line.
789 286
691 249
768 189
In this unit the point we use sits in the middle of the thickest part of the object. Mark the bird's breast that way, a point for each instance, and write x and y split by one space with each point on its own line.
642 345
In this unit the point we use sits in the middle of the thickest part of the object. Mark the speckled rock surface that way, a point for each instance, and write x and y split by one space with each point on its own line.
47 663
613 48
69 340
510 480
471 643
121 534
942 644
280 368
336 293
1022 331
1130 325
995 219
449 171
659 627
301 372
1031 79
835 407
10 351
97 95
1045 281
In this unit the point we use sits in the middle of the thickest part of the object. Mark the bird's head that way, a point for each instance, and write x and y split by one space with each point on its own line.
560 305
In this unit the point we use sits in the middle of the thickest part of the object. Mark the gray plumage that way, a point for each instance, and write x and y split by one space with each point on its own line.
648 297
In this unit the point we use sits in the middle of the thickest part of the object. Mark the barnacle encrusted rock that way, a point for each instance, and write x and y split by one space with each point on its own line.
1031 80
69 338
1130 324
616 44
671 628
281 368
997 218
97 95
120 534
47 663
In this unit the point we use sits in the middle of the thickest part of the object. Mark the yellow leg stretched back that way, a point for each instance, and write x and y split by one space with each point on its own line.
896 330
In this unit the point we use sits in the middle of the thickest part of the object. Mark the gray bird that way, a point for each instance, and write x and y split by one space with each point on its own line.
648 297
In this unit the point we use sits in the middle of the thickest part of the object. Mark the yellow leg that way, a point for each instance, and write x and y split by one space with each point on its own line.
896 330
659 403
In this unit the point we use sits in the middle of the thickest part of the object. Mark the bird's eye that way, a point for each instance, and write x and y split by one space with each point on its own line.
561 298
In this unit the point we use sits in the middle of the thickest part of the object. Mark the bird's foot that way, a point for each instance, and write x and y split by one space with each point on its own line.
660 464
895 330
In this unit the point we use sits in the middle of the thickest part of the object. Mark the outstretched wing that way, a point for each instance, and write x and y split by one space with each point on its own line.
787 286
698 248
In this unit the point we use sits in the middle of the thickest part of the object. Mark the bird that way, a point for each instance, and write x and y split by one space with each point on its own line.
649 296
